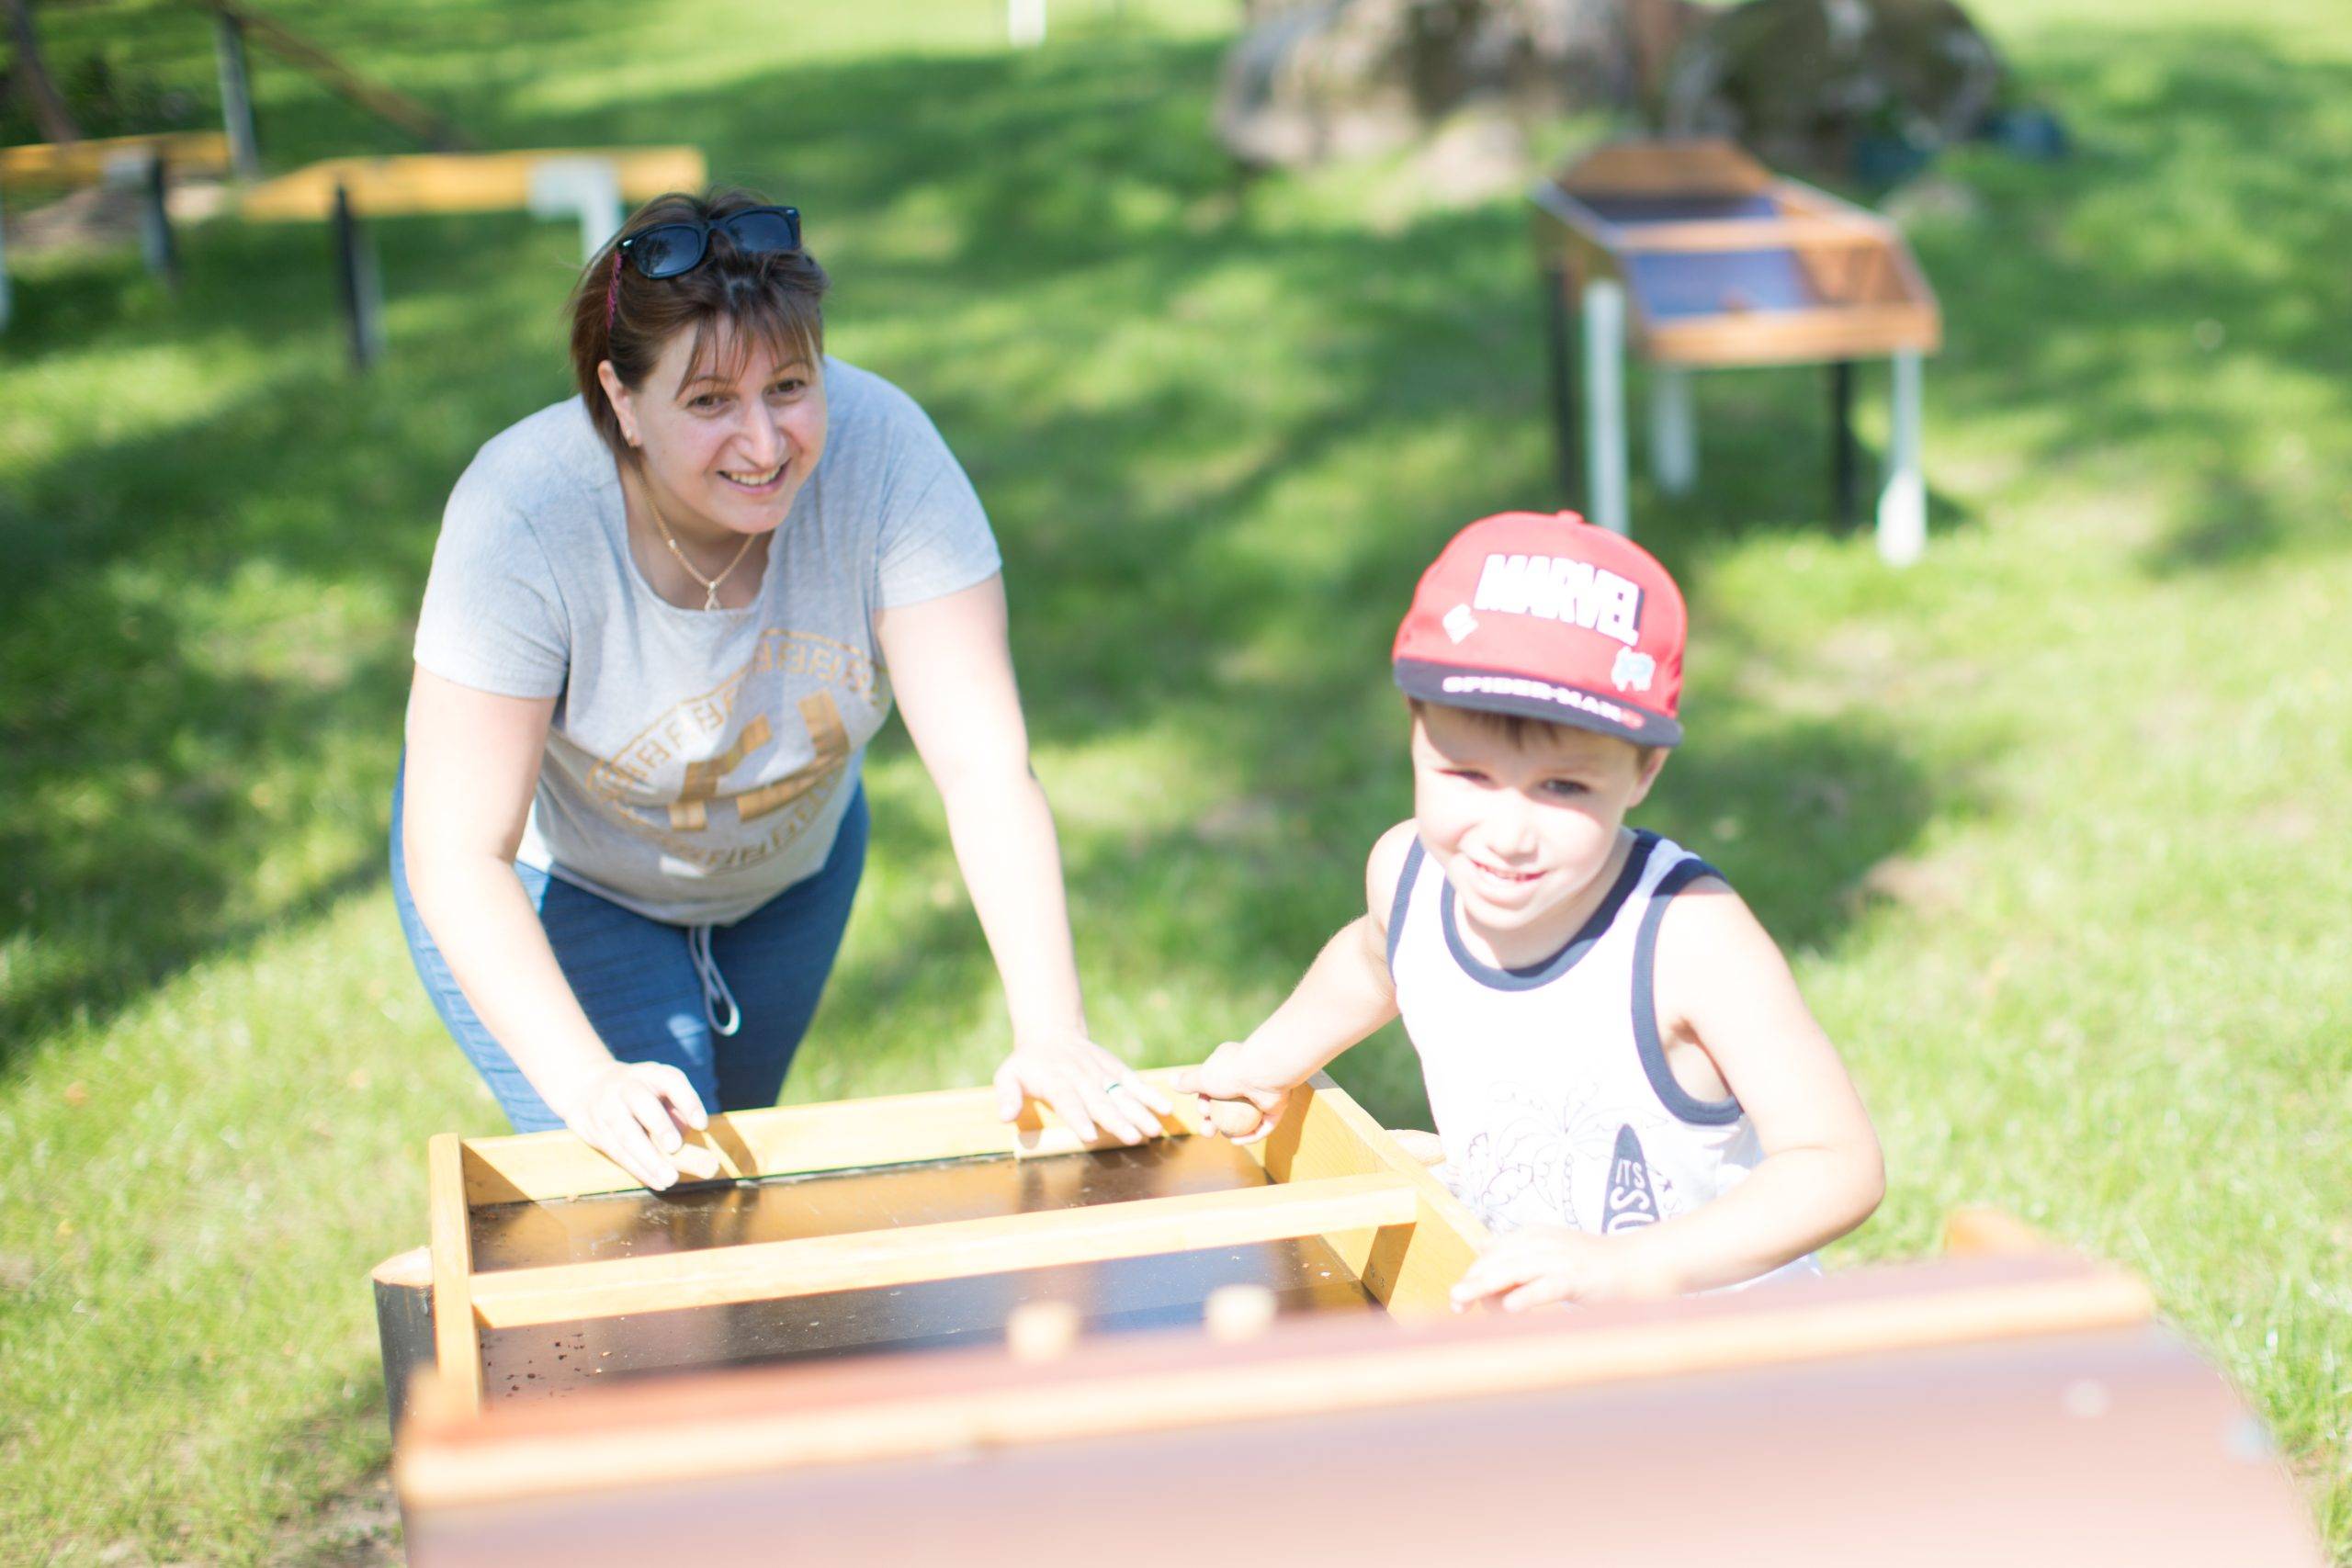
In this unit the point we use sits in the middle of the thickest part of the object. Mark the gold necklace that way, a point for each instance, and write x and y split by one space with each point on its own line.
709 584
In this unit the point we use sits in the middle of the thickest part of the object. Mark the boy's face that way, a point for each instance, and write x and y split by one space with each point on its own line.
1522 829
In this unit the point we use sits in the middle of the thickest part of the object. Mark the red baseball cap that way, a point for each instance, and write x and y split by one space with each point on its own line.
1550 617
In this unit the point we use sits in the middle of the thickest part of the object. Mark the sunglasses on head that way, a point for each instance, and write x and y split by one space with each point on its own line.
667 250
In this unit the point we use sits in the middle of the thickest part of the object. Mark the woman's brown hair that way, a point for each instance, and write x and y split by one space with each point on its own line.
769 299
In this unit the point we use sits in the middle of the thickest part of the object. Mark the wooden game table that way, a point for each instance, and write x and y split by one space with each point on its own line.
1691 255
823 1358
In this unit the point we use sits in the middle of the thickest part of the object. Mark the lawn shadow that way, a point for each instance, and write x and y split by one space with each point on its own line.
205 651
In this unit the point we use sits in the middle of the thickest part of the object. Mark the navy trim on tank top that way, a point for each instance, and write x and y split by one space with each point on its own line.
1405 879
1681 1101
1544 971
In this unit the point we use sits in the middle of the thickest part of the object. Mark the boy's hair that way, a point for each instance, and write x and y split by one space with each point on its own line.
1521 730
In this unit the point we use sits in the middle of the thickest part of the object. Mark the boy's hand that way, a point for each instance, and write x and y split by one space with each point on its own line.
1543 1264
1234 1105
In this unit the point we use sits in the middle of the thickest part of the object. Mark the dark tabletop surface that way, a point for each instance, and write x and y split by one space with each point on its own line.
551 1359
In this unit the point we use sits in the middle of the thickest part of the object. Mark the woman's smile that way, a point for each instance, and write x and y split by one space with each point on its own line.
756 483
759 482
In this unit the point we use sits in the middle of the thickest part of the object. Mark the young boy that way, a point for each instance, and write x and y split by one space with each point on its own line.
1629 1090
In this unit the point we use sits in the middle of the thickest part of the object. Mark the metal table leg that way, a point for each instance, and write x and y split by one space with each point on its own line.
5 301
1674 434
1903 505
1604 382
1843 457
589 188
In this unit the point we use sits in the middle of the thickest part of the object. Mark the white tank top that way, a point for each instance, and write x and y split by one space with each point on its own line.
1549 1083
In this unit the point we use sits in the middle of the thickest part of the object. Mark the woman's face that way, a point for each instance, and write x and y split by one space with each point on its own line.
729 451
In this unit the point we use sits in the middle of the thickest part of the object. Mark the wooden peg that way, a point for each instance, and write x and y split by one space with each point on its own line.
1041 1331
1235 1313
695 1162
1232 1118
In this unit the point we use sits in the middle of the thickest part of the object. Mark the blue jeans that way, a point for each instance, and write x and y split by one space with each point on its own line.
641 981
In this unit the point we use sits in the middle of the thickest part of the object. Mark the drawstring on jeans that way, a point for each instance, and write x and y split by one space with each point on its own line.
714 985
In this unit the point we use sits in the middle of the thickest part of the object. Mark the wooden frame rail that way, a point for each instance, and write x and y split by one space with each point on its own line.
456 1337
1792 228
954 1249
1791 337
752 1425
1747 234
788 1140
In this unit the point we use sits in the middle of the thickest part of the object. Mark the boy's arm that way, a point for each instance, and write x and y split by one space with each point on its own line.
1721 980
1344 995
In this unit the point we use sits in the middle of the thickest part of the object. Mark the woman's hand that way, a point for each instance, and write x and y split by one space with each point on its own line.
1540 1264
1235 1105
633 1114
1088 1088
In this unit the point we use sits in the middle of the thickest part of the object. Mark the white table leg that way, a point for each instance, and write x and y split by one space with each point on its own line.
1604 404
1903 505
1674 431
588 186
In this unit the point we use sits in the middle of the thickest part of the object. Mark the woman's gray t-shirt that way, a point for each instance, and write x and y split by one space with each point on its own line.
699 762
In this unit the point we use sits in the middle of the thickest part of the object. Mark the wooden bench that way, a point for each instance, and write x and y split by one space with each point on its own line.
48 165
141 164
589 182
423 183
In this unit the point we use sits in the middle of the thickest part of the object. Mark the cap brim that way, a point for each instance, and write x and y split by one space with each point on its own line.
1505 690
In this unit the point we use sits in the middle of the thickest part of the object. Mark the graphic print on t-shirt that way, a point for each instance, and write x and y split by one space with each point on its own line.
670 782
822 718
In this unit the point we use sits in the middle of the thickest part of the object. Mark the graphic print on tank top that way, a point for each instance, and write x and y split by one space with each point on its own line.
1631 1204
1530 1149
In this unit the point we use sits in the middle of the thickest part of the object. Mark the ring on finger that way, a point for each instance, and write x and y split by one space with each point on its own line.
1114 1086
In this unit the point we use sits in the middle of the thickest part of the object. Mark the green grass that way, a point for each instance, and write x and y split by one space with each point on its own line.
2051 824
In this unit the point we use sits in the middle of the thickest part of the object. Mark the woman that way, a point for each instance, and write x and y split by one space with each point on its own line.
663 620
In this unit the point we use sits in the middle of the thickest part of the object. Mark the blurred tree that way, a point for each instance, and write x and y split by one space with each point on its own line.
1844 90
30 76
1316 79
